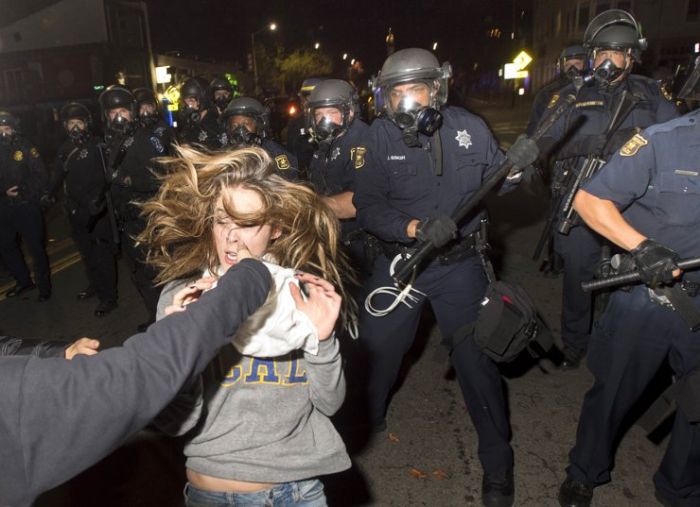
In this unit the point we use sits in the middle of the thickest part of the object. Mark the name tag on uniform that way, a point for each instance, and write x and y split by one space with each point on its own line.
589 103
396 157
683 172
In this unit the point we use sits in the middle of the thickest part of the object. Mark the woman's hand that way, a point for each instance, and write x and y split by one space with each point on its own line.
86 346
189 294
322 305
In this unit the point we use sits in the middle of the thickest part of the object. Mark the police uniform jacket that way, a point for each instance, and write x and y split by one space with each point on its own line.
21 165
285 163
583 126
541 101
333 171
133 170
399 183
83 176
58 417
207 132
654 179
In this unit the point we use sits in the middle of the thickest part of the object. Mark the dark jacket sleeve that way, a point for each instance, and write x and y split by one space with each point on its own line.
92 404
11 346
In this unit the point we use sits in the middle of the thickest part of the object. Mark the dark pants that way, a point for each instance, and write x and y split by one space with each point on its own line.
629 344
25 220
581 251
454 292
97 250
142 274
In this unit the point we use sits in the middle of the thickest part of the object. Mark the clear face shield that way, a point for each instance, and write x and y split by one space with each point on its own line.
691 87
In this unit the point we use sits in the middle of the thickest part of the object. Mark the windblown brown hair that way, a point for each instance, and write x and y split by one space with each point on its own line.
180 219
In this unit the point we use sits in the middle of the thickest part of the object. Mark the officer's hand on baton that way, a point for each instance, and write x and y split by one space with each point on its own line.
522 154
657 265
437 231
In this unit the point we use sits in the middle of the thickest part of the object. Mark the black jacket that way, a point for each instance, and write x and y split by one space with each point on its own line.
59 417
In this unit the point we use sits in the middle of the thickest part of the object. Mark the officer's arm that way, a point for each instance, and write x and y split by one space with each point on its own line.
341 204
666 110
603 217
40 177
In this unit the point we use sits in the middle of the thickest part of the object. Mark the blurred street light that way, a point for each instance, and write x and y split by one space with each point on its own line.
317 45
272 27
434 46
345 56
352 62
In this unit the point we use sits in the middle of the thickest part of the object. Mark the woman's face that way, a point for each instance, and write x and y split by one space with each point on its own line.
229 237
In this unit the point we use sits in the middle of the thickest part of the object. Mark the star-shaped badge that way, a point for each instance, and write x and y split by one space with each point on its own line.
464 139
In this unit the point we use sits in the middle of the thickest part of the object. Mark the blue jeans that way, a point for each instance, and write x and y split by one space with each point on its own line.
308 493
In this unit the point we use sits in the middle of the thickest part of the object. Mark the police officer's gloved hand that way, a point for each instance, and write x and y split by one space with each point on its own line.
438 231
655 263
522 153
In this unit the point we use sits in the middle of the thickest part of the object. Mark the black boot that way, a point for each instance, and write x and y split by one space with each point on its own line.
573 493
498 492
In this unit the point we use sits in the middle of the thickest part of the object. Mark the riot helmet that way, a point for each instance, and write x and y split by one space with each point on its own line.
572 52
614 30
402 102
147 106
246 121
118 109
9 124
191 110
222 92
336 94
78 130
307 86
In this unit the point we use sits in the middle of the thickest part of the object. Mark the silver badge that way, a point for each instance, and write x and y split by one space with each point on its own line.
157 144
202 136
336 153
464 139
83 154
128 142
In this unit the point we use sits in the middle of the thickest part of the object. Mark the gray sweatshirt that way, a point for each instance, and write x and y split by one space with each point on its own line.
262 419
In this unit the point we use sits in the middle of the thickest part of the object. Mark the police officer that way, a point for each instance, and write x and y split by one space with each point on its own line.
654 180
422 160
247 124
222 93
23 184
150 117
132 180
79 166
340 139
615 42
299 141
198 123
573 61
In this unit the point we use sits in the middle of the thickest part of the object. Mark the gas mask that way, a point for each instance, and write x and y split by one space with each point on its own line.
412 119
147 118
222 102
78 136
607 72
190 115
241 135
120 125
6 138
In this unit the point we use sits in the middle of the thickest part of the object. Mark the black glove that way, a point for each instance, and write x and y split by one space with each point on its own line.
438 231
522 153
655 263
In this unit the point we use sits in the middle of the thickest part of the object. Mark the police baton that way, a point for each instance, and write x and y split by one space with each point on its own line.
108 198
633 276
424 250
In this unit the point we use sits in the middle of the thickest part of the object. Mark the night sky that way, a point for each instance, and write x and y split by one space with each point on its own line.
221 29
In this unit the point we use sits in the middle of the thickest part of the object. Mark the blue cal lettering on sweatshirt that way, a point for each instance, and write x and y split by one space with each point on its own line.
265 371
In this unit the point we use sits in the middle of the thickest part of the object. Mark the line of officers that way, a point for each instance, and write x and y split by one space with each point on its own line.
395 184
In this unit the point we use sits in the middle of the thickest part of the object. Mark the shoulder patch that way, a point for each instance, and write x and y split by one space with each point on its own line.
157 145
282 162
632 146
553 101
357 155
18 156
34 152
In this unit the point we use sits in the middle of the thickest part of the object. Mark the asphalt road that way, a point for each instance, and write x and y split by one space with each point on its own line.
428 456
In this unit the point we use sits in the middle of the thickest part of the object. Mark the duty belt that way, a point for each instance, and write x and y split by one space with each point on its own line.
454 251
